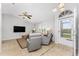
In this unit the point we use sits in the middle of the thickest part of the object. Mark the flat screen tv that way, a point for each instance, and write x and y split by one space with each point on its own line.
19 29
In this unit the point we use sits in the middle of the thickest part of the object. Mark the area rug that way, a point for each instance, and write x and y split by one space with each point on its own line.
22 43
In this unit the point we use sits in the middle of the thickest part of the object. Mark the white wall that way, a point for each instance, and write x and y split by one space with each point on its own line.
46 24
8 21
0 28
78 27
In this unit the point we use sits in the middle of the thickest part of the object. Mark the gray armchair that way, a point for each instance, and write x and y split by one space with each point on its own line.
34 41
46 39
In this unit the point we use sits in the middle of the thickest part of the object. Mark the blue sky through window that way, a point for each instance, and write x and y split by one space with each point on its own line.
66 24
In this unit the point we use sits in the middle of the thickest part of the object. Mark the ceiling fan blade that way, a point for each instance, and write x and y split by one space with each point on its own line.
24 14
21 15
30 15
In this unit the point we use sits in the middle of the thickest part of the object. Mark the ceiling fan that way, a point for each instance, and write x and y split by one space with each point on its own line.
25 15
60 7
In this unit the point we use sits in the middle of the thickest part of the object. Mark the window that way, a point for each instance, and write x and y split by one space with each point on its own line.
66 26
64 13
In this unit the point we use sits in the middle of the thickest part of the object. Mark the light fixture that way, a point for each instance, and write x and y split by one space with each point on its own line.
25 15
60 7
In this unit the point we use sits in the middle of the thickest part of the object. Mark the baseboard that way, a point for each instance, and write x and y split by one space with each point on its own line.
63 44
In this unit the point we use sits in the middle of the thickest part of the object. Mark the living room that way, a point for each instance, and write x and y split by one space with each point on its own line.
20 20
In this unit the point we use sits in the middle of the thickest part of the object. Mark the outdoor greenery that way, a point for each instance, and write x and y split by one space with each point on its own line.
66 33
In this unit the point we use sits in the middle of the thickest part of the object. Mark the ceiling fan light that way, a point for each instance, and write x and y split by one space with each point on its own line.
29 15
61 5
25 15
62 9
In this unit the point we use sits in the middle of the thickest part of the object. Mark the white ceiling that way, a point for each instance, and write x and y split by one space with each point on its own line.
39 11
